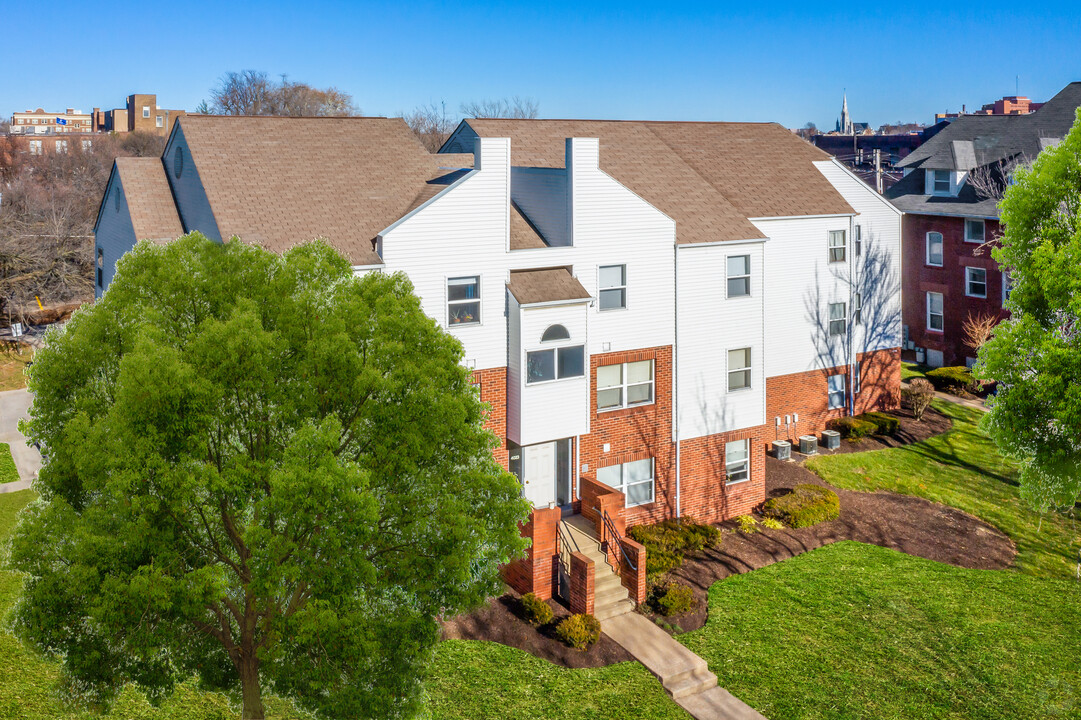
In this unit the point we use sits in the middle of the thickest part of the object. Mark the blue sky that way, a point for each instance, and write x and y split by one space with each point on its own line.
686 61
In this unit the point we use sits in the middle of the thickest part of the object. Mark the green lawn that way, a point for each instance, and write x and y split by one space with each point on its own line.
858 631
8 471
961 468
911 370
470 680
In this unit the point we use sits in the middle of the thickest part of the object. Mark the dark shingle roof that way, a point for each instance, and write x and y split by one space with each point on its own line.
551 285
150 201
277 182
907 196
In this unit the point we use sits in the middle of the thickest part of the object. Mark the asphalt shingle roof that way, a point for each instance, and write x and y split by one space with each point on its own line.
551 285
150 201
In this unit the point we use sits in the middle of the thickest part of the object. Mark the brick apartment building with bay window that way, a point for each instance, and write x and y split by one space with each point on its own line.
645 306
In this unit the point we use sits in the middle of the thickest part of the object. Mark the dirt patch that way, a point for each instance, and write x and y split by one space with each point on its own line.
901 522
500 621
911 431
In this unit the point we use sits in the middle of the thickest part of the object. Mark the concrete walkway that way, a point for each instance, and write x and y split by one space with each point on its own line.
976 403
683 674
14 406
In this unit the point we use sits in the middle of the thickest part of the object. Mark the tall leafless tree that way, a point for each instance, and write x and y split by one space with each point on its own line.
251 92
516 108
431 124
978 329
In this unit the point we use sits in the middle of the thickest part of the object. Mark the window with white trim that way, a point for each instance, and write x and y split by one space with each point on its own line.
737 461
940 182
146 111
1007 286
88 145
856 372
159 121
463 300
836 389
934 249
634 479
976 282
738 270
61 146
624 385
934 311
739 369
857 240
838 318
837 246
613 287
974 230
857 309
35 147
555 364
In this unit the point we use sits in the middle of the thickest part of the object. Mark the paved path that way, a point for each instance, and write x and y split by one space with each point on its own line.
683 674
13 407
974 402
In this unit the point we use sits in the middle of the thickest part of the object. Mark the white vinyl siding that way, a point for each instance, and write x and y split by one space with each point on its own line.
737 461
934 249
624 385
633 479
934 312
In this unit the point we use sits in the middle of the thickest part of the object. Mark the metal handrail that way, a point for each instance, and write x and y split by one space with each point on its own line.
610 529
566 541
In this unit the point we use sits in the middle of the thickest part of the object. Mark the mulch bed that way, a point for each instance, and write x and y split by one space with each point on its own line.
501 621
902 522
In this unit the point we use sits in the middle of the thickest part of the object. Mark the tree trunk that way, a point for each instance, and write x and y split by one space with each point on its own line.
250 690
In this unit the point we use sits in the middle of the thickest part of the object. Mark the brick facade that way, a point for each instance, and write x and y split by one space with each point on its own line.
704 493
493 390
920 278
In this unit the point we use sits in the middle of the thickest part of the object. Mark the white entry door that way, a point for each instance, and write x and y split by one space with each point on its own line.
539 471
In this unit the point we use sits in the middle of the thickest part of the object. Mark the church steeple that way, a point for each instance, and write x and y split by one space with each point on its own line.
844 124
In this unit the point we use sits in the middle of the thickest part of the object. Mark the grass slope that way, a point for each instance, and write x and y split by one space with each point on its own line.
858 631
469 680
963 469
911 370
8 471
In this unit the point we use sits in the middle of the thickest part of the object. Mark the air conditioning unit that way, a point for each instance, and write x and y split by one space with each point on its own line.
782 449
831 439
808 444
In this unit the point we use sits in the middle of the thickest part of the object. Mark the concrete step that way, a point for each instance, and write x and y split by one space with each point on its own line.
613 610
609 595
718 704
691 683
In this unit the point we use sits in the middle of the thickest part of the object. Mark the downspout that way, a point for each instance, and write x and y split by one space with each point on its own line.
675 364
577 468
852 359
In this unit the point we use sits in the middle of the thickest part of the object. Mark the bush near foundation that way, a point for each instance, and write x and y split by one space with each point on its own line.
952 379
884 423
672 598
853 428
919 395
579 631
668 542
536 611
805 506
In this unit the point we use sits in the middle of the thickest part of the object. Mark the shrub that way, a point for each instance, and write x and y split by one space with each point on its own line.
747 524
668 542
772 523
884 424
806 505
853 428
579 631
536 611
952 379
672 599
918 395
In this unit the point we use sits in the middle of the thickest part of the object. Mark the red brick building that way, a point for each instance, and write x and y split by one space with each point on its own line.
949 197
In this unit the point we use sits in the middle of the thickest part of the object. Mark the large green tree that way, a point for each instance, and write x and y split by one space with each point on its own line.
1036 354
262 471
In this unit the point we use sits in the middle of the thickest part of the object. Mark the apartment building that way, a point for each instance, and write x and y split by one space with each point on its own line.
39 122
951 221
645 306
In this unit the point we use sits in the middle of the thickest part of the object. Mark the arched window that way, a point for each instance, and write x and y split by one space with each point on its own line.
555 332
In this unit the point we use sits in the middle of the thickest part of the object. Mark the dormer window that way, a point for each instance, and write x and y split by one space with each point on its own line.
940 182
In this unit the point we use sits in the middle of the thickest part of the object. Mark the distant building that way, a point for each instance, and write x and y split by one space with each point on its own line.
858 152
39 122
845 126
141 113
1009 105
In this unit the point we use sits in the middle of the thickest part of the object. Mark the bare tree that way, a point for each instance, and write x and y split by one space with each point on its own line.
978 329
431 124
919 394
991 180
516 108
808 131
251 92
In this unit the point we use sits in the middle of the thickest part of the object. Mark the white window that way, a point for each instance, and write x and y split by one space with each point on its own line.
837 246
159 121
857 308
940 181
737 461
613 287
633 479
88 145
146 111
838 319
624 385
857 240
974 230
836 385
934 311
555 364
100 266
35 147
934 249
739 275
463 300
976 282
61 146
856 371
1007 285
739 369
